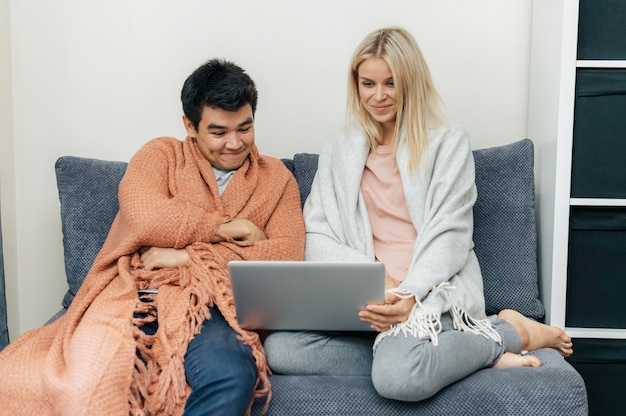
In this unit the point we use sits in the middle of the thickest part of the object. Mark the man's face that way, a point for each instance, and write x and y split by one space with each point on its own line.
224 137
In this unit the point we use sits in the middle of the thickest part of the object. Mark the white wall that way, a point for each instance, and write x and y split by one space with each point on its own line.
99 78
552 68
7 173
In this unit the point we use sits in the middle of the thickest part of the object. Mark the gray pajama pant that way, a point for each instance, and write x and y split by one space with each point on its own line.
402 368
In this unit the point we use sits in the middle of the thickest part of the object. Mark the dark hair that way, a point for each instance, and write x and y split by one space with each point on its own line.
217 84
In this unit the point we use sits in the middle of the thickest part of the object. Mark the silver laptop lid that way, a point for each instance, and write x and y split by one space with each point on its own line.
305 295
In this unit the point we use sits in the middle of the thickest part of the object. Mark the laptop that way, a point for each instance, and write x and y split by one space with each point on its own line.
305 295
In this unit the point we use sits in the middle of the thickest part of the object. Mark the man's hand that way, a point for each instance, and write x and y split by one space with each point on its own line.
160 257
395 309
240 229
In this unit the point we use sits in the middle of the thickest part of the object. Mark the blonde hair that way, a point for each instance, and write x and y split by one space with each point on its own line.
418 104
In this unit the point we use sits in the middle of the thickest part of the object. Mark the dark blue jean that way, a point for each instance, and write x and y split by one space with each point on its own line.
220 370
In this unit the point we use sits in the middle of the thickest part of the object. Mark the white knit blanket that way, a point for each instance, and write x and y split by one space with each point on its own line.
444 275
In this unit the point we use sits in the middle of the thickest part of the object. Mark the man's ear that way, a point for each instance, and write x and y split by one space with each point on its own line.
191 130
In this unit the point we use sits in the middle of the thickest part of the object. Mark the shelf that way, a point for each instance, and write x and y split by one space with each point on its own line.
597 202
575 101
606 333
600 64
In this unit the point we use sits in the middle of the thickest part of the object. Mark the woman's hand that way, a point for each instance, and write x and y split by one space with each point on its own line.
390 283
240 229
160 257
395 309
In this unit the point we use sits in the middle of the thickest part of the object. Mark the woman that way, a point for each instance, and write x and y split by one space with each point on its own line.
397 186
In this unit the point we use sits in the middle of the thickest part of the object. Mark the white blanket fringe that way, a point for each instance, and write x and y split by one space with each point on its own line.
424 324
466 323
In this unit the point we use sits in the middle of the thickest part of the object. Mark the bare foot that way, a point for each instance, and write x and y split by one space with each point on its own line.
535 335
510 359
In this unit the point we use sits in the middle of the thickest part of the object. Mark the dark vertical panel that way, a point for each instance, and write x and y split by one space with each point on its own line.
602 364
597 268
599 148
4 332
602 29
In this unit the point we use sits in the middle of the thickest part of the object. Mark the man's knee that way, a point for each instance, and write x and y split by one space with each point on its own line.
235 368
237 377
224 385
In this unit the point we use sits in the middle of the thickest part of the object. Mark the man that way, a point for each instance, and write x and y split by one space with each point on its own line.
186 209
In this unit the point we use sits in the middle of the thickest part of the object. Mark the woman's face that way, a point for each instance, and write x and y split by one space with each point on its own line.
377 91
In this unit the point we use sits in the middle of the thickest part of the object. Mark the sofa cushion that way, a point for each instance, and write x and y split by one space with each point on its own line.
88 195
304 168
504 219
505 230
555 388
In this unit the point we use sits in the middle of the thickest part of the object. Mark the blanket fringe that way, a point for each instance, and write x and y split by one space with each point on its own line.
464 322
158 384
423 323
420 323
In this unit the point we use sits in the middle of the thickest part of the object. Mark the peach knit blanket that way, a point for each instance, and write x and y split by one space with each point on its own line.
87 362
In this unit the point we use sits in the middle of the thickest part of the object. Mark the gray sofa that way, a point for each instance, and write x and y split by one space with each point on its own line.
506 246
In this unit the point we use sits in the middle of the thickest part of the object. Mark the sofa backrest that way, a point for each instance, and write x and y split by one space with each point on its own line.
504 219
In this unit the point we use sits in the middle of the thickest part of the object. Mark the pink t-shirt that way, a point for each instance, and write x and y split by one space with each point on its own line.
394 233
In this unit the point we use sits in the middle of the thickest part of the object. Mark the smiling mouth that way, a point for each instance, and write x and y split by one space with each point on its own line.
381 109
233 154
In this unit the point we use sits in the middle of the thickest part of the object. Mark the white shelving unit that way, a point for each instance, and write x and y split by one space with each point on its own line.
600 64
554 65
572 218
